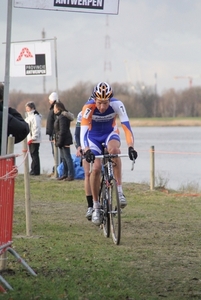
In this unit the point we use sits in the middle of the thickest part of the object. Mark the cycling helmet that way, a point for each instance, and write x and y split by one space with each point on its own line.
103 91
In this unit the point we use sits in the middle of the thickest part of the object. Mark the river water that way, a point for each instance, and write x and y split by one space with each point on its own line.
177 156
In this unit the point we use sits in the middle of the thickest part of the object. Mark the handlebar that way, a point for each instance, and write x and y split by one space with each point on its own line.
108 155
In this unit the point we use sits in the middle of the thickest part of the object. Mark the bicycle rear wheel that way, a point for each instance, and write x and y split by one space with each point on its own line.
115 212
105 208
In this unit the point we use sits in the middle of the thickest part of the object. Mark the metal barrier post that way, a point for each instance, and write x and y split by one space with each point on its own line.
152 168
56 160
7 285
8 173
10 150
21 260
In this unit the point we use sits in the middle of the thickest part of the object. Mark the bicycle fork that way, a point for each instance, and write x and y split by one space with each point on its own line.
104 208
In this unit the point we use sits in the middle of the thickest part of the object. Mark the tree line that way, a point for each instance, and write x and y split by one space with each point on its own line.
141 102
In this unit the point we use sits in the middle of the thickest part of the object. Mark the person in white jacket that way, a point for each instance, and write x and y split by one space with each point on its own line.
34 137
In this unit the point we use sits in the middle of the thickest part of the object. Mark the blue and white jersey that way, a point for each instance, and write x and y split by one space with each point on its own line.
95 124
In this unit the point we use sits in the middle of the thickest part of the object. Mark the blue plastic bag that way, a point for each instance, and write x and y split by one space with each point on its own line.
60 169
78 170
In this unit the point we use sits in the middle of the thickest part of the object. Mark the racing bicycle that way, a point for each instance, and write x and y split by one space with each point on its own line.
109 197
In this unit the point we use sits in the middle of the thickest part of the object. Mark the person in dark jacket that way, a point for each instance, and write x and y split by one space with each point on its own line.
17 127
53 98
63 139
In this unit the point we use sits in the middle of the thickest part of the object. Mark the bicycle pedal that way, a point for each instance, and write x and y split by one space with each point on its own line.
113 212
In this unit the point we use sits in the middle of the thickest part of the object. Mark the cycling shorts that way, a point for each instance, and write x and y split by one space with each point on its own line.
96 143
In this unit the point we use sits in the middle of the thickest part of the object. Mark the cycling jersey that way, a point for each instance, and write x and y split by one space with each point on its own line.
77 130
79 118
96 126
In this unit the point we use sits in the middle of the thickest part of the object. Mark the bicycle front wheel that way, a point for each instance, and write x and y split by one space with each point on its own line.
115 212
105 207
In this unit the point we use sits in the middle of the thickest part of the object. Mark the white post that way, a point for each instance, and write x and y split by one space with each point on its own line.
27 189
11 142
152 168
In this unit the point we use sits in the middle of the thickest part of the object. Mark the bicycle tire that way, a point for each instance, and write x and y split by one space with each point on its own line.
115 212
105 208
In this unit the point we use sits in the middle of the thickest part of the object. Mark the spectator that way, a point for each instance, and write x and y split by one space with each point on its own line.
53 98
63 139
34 137
17 127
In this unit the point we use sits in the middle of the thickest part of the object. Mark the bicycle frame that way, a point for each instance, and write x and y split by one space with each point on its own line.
109 198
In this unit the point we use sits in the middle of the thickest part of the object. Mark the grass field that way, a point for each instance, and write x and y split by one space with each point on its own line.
158 257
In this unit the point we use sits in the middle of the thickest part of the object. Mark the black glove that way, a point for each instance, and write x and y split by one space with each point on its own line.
90 157
132 153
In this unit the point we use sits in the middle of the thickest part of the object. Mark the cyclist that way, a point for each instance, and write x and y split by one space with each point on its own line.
98 126
86 166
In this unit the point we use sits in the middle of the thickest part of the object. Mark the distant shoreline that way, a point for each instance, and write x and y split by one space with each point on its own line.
165 123
157 122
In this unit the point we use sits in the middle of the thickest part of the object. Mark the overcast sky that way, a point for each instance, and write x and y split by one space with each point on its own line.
147 37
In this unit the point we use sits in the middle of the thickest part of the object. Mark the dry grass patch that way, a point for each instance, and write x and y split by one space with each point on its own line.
158 257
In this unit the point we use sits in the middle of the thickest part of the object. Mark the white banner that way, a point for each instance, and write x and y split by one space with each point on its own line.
30 59
89 6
